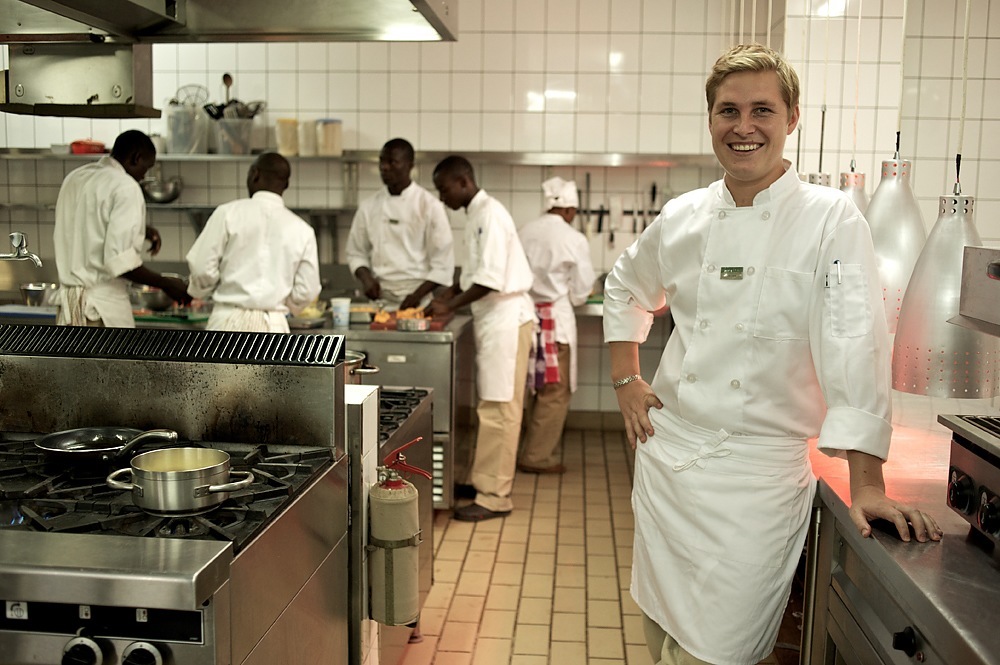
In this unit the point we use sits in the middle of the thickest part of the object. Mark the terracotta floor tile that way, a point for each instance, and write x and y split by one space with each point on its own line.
537 586
452 550
542 542
508 573
637 655
432 620
604 614
544 525
502 597
531 640
605 661
571 576
568 627
422 653
440 595
601 566
480 562
571 555
521 659
568 652
602 588
600 545
535 611
570 599
629 606
491 651
603 642
540 562
514 534
498 623
452 658
485 542
446 571
458 637
473 584
632 625
512 552
466 609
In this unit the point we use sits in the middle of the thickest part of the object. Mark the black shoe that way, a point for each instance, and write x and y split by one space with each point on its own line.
476 513
463 491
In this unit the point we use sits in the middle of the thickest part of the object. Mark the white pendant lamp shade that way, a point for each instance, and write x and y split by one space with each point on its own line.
898 234
931 356
853 184
820 179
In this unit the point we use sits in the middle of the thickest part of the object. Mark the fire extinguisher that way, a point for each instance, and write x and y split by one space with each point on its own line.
393 541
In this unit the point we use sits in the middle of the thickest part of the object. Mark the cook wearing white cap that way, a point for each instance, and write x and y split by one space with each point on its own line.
560 261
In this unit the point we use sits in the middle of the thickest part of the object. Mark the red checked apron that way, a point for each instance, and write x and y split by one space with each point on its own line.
720 522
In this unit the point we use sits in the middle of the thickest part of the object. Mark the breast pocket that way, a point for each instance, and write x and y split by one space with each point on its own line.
847 301
783 307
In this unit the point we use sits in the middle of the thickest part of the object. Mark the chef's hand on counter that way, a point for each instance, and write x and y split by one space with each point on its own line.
454 298
155 242
869 501
371 286
414 299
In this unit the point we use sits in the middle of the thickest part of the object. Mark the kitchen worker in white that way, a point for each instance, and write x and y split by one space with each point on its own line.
494 280
256 258
99 234
559 257
400 243
779 336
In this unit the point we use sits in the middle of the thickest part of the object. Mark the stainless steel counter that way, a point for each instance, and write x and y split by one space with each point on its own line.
947 591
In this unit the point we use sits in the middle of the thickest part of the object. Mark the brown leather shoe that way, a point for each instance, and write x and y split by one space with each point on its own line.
555 468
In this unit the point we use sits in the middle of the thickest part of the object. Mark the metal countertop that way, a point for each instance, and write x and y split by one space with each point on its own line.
951 588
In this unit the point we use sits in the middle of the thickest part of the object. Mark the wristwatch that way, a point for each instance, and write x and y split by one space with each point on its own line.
624 382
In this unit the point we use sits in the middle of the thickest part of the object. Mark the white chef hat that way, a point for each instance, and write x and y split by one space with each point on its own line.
560 193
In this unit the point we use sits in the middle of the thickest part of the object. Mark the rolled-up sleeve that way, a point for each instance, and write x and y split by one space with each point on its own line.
850 344
634 289
126 230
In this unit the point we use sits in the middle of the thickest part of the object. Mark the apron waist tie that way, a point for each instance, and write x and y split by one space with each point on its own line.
712 447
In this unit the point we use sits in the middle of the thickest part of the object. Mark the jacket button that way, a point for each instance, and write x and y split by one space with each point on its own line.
751 270
710 267
735 383
691 378
765 215
703 324
722 214
739 327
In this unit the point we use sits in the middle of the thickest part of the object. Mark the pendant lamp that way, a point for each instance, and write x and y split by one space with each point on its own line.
931 356
853 184
897 232
820 179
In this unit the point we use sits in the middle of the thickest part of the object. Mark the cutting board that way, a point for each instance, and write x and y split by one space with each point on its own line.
437 323
169 316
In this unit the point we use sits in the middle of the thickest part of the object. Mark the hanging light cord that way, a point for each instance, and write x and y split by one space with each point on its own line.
753 21
965 89
902 79
826 62
857 93
769 8
742 16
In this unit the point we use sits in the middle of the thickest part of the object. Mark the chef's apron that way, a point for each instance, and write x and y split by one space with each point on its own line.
107 302
565 317
720 521
496 320
239 319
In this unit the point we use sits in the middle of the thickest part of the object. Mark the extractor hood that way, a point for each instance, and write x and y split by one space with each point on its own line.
91 58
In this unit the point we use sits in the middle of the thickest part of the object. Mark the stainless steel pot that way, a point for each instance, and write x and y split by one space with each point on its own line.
354 361
99 443
179 481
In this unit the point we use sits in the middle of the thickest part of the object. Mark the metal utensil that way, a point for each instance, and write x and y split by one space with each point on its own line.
227 80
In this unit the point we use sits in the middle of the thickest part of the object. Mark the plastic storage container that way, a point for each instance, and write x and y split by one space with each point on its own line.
286 133
233 135
328 138
187 129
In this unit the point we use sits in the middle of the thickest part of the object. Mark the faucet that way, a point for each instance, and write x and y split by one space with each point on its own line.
21 253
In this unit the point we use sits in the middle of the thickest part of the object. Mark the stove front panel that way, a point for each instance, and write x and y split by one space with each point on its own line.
974 472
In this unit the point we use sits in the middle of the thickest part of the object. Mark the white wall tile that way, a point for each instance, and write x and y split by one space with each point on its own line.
561 52
467 53
623 130
529 52
655 91
592 93
657 53
692 18
626 16
373 91
470 17
312 56
192 57
560 133
654 132
527 131
498 52
435 91
594 15
312 91
373 56
466 91
623 92
342 56
466 132
435 57
498 91
529 15
435 131
591 132
623 53
373 128
687 134
405 123
498 15
404 56
561 16
593 53
343 90
529 92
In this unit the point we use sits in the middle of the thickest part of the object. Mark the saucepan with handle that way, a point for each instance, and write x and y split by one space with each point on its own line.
180 481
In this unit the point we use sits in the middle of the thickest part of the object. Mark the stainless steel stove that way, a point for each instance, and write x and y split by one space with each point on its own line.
974 474
87 577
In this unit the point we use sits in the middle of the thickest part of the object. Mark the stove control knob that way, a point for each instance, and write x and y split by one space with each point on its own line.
905 641
141 653
989 513
961 492
82 651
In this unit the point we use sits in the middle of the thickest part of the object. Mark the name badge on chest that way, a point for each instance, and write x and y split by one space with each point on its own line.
731 272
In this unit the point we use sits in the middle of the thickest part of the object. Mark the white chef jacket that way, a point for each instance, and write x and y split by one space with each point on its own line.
779 336
495 259
563 275
99 231
256 254
404 240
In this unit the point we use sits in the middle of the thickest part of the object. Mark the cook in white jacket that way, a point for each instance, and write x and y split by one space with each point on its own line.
400 244
563 278
99 232
255 257
779 336
495 280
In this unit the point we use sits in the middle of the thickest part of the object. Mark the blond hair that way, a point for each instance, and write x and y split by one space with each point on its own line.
753 58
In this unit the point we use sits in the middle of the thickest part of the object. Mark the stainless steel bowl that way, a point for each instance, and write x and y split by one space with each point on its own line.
161 191
36 294
152 297
413 325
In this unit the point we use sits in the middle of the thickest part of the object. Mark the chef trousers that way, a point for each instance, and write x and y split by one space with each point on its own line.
663 649
499 430
546 414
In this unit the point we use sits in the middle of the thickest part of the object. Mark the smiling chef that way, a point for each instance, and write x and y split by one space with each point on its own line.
779 336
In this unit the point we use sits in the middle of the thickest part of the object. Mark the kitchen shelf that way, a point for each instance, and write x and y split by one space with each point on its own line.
595 159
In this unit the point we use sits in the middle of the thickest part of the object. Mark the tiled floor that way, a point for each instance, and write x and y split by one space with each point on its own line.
549 583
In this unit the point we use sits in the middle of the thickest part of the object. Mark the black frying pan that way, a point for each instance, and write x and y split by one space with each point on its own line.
99 443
